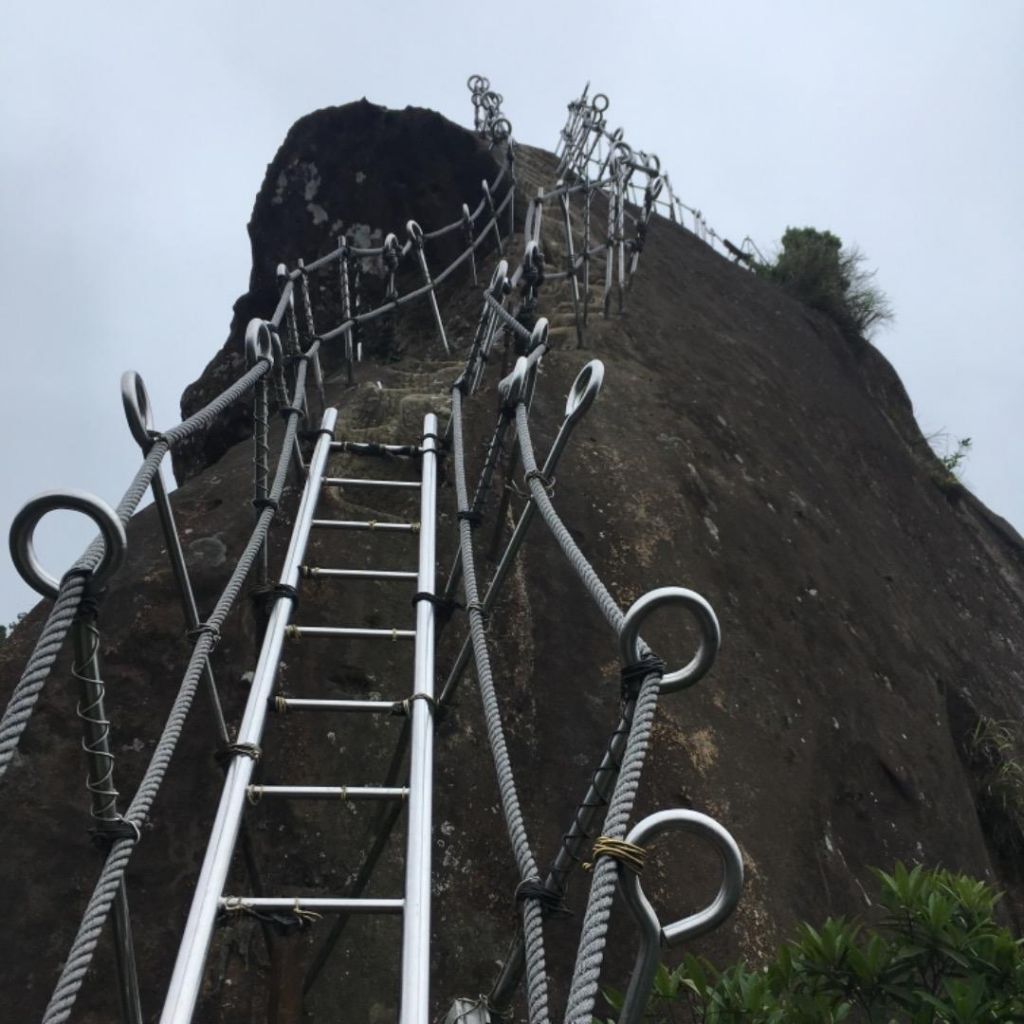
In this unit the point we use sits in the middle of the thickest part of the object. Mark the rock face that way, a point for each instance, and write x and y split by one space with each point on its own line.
741 446
358 171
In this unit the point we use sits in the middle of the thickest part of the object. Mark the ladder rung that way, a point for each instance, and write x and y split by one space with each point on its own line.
391 634
316 904
365 524
373 448
352 481
366 707
314 572
257 793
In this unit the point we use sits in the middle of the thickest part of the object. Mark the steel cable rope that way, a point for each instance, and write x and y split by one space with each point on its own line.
595 920
590 954
510 322
536 970
598 591
402 300
26 692
336 253
83 947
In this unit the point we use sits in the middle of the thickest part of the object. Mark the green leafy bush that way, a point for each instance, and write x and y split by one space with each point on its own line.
937 957
816 268
995 751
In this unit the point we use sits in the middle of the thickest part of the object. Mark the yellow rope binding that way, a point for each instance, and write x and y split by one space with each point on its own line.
629 855
305 916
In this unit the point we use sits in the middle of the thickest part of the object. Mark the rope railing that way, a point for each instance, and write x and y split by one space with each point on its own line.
204 636
68 592
592 163
588 147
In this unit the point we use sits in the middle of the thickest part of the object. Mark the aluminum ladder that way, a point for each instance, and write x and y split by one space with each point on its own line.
414 905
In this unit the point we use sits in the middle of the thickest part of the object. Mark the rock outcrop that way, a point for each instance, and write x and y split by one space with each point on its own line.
741 446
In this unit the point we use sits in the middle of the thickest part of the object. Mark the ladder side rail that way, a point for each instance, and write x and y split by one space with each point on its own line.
186 981
415 1001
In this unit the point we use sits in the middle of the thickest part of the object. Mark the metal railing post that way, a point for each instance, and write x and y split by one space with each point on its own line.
100 783
415 1004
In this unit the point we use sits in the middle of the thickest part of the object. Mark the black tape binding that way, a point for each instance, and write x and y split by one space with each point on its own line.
633 676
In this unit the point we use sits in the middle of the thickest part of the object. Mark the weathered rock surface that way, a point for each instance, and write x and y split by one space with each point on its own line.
358 171
740 447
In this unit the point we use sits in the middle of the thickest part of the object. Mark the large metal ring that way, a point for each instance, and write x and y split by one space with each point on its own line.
585 388
539 334
652 934
415 233
533 256
499 280
477 83
137 409
278 348
622 152
501 129
513 387
258 343
599 102
710 634
23 529
729 888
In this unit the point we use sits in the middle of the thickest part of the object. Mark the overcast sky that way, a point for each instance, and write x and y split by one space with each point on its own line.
134 138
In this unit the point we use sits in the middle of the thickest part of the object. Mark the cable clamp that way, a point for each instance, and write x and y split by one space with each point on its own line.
404 707
633 676
551 902
442 444
471 516
202 629
545 482
305 917
441 603
264 503
230 750
287 410
476 606
629 855
108 831
297 918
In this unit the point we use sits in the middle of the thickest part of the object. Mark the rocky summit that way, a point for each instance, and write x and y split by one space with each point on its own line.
742 446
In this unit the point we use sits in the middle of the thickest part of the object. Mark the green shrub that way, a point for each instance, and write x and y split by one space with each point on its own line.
814 267
995 751
937 957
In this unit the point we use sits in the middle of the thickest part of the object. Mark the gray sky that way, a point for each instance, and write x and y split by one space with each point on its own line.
134 138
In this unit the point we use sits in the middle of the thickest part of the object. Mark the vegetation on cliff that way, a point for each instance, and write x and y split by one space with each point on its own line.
815 267
937 955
